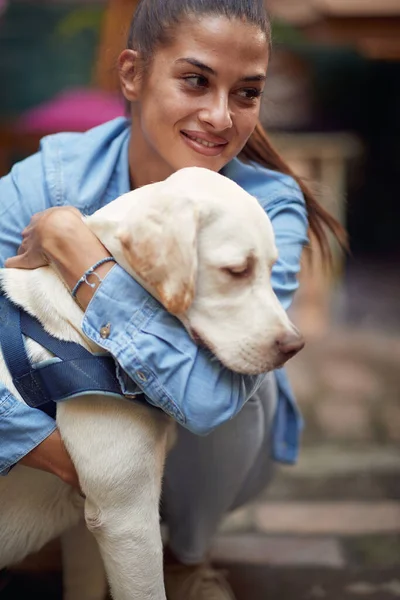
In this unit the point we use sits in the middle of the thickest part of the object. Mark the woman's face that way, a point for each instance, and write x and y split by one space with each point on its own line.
200 101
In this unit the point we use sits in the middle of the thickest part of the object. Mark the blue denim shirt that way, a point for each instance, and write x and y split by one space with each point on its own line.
155 355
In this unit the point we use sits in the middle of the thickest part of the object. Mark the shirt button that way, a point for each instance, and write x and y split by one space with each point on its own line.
105 331
141 376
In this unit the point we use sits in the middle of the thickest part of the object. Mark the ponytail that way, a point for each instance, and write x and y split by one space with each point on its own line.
260 150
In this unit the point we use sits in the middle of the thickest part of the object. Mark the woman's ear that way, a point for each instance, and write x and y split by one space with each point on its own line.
128 68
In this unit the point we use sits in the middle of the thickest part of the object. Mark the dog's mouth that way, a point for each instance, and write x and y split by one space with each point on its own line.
197 338
201 342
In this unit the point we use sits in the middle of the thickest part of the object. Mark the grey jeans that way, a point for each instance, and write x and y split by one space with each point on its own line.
206 477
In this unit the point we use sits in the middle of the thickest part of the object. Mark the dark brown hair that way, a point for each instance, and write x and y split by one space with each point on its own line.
152 27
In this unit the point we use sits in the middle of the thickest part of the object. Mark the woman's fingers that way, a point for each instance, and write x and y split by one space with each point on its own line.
44 226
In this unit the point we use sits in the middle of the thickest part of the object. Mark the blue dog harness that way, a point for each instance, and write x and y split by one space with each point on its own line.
74 372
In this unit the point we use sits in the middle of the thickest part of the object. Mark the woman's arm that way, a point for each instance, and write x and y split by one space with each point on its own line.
289 220
151 346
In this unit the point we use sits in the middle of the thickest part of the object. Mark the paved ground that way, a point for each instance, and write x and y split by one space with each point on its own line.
252 582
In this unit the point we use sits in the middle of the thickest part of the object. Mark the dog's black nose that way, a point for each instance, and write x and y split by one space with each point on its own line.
290 342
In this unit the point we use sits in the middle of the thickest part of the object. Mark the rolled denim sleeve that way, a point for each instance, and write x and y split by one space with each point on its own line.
22 194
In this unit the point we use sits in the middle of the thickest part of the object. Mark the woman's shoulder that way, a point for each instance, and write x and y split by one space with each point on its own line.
101 135
78 167
264 184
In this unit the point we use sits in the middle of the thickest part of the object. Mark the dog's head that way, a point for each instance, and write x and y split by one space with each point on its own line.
205 249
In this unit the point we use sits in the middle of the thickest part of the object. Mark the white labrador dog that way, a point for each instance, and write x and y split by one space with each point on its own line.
204 248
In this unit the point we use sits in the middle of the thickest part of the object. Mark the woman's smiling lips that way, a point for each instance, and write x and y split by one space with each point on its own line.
203 143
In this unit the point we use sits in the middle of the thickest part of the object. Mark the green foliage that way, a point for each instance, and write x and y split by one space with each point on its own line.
285 34
45 48
79 20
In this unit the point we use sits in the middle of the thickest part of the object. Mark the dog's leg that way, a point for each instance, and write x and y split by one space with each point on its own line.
118 448
83 570
35 507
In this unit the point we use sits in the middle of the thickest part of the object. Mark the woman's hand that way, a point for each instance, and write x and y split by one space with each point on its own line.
52 456
44 235
60 237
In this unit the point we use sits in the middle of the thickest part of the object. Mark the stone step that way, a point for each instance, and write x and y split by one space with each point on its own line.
256 549
320 460
343 518
361 551
336 518
330 472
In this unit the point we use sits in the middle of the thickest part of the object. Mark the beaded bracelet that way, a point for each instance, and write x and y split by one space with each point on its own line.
89 272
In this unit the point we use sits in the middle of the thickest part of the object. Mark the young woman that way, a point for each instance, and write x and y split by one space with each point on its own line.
192 75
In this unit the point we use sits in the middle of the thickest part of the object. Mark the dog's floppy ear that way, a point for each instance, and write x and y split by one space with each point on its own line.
159 241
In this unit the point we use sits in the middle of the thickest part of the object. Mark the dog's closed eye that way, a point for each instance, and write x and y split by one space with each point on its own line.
242 269
239 272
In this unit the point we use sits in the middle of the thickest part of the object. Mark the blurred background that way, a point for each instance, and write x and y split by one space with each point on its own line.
329 527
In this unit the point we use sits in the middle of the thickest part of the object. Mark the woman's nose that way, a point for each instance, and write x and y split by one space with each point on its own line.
217 114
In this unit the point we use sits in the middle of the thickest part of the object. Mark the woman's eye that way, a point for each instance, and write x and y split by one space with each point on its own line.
249 93
196 81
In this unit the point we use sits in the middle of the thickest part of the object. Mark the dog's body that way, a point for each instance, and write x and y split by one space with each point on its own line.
206 255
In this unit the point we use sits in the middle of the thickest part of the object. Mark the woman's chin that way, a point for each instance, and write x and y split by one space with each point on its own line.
213 163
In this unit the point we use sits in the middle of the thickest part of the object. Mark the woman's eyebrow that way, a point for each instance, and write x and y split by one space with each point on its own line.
258 77
196 63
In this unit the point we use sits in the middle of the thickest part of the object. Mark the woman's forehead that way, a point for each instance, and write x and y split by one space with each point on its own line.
218 41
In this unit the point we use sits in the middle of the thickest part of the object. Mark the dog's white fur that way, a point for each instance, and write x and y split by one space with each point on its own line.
204 248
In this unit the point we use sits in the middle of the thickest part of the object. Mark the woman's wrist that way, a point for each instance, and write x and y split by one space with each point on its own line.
72 249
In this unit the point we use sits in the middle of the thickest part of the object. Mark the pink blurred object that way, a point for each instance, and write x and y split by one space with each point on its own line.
78 109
